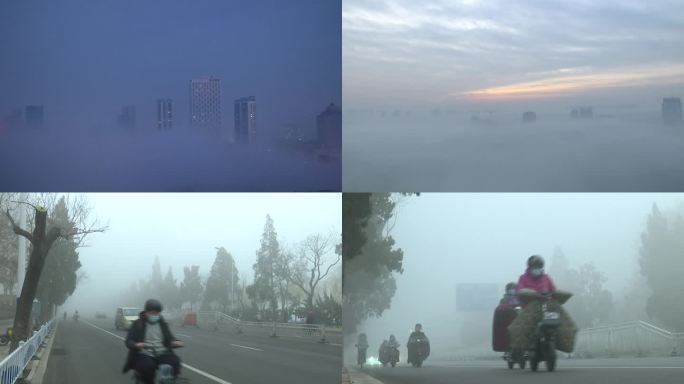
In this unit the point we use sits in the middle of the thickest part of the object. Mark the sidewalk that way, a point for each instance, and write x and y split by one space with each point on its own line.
34 372
354 376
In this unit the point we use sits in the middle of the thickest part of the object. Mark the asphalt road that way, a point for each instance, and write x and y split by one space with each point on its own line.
92 351
603 371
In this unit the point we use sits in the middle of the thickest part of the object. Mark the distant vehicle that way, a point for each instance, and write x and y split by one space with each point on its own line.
125 316
100 315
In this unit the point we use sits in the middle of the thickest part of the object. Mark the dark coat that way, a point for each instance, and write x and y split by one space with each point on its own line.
136 334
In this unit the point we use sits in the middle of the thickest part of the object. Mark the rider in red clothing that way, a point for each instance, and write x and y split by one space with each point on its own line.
535 278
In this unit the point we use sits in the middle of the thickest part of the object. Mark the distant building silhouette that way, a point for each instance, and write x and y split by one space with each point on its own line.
245 120
529 117
127 119
164 114
585 113
205 105
672 110
329 126
33 114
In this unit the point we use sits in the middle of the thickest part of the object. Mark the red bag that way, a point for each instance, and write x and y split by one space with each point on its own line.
503 317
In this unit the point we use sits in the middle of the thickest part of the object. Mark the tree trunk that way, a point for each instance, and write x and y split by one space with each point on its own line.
40 244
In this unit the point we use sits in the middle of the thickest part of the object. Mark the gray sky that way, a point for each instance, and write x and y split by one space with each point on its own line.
410 52
184 229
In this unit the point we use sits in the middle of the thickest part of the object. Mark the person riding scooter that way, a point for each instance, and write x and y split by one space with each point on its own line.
535 278
504 314
150 342
389 351
418 346
362 346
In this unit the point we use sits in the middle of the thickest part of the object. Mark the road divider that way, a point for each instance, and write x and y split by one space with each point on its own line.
12 366
219 321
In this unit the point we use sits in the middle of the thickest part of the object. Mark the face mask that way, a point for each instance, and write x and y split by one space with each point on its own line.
153 318
537 272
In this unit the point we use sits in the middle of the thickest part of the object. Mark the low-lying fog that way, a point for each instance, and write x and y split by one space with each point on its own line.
491 149
52 160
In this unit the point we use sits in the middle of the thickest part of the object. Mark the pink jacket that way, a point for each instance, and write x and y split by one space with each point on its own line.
540 284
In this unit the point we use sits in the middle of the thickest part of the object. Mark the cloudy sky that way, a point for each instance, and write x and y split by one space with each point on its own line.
185 229
409 52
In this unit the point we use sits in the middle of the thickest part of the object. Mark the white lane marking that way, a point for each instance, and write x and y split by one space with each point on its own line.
184 335
190 367
242 346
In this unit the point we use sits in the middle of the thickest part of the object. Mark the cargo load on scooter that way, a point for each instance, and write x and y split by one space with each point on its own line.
504 315
524 326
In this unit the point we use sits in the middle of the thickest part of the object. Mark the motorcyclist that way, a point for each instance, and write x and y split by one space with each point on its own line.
535 278
382 352
362 346
510 297
392 343
150 342
415 335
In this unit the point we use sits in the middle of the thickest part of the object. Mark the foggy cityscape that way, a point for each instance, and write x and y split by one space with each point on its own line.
448 258
435 96
121 97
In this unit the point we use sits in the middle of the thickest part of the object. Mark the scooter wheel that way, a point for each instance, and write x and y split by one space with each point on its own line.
522 364
510 364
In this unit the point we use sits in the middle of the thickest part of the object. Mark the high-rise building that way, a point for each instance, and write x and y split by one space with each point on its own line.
245 120
34 116
164 114
205 105
329 126
126 119
672 110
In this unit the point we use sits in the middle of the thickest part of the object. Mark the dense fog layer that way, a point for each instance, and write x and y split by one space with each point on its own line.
451 240
181 162
497 151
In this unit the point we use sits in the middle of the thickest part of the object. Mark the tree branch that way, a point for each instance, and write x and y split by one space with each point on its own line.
17 229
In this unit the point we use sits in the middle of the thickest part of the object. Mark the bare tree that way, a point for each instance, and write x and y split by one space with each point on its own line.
314 260
41 239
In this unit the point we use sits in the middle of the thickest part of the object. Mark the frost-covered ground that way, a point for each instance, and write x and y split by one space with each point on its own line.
452 154
49 161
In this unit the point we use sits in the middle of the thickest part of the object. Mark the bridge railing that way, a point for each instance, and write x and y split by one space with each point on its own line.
315 332
637 338
12 367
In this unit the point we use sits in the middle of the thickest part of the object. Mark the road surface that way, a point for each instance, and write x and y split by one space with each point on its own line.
92 351
589 371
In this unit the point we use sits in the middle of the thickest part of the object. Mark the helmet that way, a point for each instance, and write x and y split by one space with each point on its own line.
392 338
511 286
153 305
419 325
535 261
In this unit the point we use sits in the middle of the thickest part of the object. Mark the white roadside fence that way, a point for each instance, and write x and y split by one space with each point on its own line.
636 338
12 366
313 332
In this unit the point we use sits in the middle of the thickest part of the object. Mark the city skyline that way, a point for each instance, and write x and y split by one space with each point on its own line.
294 55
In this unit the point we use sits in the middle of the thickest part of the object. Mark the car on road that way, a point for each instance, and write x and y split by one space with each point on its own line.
100 315
125 316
